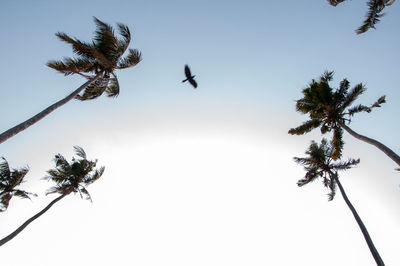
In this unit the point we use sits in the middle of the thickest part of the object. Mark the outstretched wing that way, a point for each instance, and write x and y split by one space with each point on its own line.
187 71
193 82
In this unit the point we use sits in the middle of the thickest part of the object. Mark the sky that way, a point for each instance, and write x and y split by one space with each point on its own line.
205 176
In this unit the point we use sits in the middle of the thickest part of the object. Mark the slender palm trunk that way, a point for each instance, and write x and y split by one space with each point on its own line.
24 125
22 227
392 155
368 239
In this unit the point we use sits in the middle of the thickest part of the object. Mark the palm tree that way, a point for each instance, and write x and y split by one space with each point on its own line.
96 61
375 9
319 164
330 110
9 180
69 178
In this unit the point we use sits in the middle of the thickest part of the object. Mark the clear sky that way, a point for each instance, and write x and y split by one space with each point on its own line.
206 176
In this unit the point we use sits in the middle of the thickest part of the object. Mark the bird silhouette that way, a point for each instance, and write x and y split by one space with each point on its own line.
189 77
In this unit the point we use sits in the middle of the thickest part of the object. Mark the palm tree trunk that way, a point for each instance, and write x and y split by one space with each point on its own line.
24 125
368 239
22 227
392 155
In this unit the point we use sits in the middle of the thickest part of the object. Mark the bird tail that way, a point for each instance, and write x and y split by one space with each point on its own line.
184 80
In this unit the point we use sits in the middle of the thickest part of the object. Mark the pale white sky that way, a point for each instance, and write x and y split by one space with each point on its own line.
200 177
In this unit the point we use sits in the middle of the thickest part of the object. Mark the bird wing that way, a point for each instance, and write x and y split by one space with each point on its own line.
193 82
187 71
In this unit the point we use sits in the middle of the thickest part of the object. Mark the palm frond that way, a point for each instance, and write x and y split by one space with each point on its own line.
331 184
126 38
358 109
55 189
331 195
55 175
327 76
105 40
378 102
303 161
80 48
131 60
89 179
61 67
80 152
5 201
94 90
112 89
345 165
375 9
86 50
84 191
4 170
305 127
353 94
304 105
362 108
61 162
340 94
69 66
310 176
23 194
335 2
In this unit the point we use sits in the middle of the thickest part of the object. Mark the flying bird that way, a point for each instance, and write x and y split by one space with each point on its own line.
189 77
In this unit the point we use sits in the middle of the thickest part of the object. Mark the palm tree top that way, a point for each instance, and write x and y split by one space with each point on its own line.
9 180
101 57
319 164
375 12
73 176
328 108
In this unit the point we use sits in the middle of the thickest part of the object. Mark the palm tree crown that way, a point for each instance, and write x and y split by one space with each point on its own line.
375 12
319 164
9 180
330 109
101 57
74 176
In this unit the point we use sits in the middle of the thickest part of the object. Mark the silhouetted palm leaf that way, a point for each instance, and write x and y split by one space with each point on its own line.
335 2
112 90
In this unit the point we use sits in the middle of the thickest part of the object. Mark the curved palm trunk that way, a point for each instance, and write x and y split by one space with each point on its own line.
368 239
392 155
22 227
24 125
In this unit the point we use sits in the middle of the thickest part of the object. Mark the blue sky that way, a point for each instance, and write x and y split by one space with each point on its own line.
206 176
